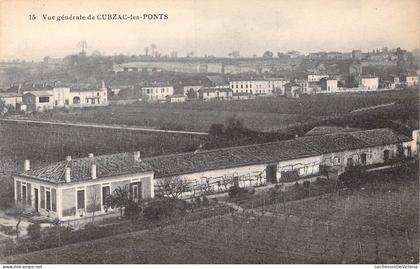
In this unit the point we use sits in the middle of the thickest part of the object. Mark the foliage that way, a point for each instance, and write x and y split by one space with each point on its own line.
34 231
197 201
206 201
352 178
119 198
164 208
236 192
172 187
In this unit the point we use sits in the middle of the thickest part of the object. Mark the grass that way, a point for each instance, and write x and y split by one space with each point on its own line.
306 234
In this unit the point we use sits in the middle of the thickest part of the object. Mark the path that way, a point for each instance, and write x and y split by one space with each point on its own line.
96 125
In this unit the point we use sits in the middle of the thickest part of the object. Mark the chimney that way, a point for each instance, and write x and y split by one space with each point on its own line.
90 155
137 156
27 165
68 158
93 171
67 175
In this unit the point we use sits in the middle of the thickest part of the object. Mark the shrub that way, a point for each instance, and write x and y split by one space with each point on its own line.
133 210
197 201
352 177
164 208
206 201
236 192
34 231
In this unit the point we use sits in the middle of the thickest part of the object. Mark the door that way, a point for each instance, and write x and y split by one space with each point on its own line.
271 173
386 155
363 158
36 199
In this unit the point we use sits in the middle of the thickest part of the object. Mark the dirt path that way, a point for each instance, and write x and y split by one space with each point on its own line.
96 125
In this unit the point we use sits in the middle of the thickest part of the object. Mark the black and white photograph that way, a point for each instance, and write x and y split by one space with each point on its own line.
211 132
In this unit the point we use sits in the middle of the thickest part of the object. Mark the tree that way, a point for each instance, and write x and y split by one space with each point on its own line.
191 94
17 212
146 51
3 108
34 231
119 199
172 187
94 202
268 54
153 46
216 130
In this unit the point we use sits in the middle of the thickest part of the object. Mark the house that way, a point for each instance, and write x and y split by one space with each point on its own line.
316 77
329 85
369 82
277 85
250 85
11 98
292 90
76 188
410 80
38 100
191 91
156 92
176 98
212 93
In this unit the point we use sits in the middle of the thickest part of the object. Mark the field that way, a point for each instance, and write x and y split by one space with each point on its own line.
262 114
376 224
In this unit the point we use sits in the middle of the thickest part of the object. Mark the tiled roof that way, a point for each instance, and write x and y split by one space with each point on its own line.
322 130
379 137
192 162
332 142
40 93
353 140
177 164
106 166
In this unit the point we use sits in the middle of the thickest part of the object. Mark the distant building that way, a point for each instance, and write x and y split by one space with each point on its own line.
277 85
176 98
292 90
250 85
315 77
329 85
38 100
210 93
369 83
156 92
11 98
410 80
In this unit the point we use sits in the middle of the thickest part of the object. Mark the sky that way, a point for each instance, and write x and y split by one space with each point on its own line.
208 27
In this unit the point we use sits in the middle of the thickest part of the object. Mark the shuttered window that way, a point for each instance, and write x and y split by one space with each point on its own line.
54 200
29 194
48 200
18 191
81 199
42 197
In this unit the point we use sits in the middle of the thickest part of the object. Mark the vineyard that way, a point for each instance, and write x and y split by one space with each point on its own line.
375 224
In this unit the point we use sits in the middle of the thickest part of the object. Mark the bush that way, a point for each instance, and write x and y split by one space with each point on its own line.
34 231
352 178
164 208
237 192
206 201
197 201
133 210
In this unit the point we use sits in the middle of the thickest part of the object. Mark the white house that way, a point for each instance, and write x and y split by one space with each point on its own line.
369 83
329 85
156 92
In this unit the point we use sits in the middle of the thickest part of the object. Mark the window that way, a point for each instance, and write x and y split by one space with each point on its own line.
48 199
363 158
105 194
409 151
386 155
23 194
81 199
163 90
44 99
148 91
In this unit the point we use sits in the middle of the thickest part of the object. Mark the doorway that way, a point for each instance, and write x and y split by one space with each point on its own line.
271 173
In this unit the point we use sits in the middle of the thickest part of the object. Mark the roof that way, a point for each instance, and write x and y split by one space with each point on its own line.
185 163
335 142
217 80
322 130
212 89
40 93
193 162
9 94
106 166
378 137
